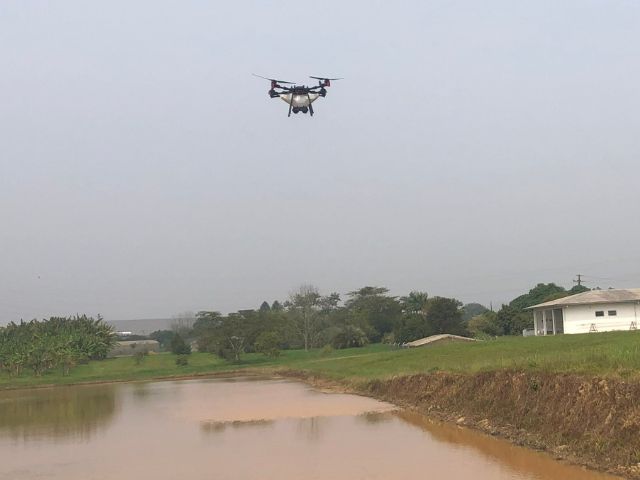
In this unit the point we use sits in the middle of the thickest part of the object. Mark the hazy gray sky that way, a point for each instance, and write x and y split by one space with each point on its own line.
473 150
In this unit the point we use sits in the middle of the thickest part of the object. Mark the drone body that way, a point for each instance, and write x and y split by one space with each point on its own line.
299 97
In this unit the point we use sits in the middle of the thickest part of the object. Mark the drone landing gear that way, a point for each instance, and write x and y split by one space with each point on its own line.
310 110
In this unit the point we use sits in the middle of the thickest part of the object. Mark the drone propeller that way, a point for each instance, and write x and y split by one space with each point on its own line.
274 80
325 82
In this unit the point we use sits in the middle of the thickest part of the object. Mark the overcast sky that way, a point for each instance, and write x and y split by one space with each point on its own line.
473 150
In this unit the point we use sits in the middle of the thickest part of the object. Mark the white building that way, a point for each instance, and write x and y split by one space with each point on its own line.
593 311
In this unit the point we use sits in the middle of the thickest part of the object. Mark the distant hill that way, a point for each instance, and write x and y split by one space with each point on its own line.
143 326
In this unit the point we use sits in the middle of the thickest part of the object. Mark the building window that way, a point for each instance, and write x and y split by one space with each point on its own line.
599 313
612 313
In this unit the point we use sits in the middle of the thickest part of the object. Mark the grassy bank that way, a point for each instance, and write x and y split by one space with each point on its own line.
615 354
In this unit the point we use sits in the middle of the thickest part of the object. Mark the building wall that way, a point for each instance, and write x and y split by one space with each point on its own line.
580 318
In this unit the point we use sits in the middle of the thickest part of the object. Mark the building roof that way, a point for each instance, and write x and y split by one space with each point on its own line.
595 296
438 338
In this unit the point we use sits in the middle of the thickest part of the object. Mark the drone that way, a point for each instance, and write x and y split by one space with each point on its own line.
299 97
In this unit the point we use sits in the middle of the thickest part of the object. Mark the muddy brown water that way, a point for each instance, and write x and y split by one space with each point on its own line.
244 428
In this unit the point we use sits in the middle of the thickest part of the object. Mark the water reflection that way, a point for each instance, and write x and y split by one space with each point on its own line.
74 412
375 418
516 458
219 427
311 428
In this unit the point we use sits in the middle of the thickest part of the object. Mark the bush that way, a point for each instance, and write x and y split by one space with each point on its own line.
349 336
389 338
326 351
182 360
268 343
57 342
139 356
483 325
179 346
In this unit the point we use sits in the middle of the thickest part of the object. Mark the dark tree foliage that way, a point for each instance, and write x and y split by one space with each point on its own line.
268 343
542 292
485 324
182 360
179 346
264 307
415 302
349 336
226 336
163 337
445 316
310 319
411 326
373 311
471 310
512 321
578 289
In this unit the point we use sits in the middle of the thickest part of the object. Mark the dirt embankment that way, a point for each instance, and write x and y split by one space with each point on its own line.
585 420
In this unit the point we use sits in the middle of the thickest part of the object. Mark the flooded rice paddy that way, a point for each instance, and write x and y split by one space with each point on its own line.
243 428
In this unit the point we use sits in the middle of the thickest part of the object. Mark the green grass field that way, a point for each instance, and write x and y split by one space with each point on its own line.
604 354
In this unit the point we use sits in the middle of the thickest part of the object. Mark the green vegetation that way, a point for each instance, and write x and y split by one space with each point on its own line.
179 346
613 354
309 320
306 321
54 343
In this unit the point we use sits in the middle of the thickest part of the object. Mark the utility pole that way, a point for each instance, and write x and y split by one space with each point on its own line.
579 280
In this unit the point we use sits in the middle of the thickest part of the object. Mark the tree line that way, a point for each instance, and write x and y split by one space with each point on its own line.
58 342
309 319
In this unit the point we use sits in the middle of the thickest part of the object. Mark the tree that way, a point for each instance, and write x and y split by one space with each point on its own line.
264 307
578 289
484 324
179 346
540 293
329 303
268 343
445 316
513 321
224 336
349 336
415 302
163 337
56 342
411 326
304 306
373 311
471 310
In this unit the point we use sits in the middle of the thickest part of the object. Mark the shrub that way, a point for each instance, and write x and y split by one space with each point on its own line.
179 346
139 356
182 360
350 336
389 338
326 351
268 343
